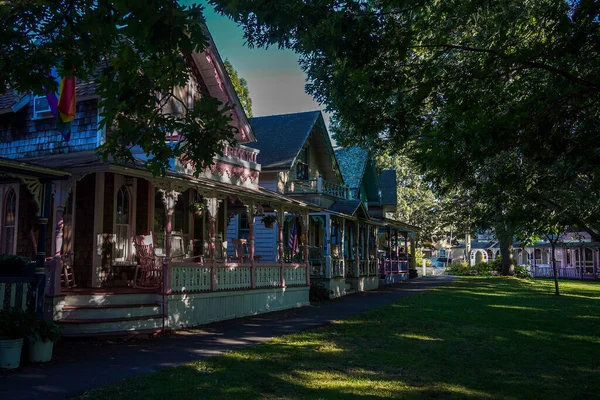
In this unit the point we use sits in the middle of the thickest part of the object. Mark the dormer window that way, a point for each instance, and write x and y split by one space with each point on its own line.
302 165
41 108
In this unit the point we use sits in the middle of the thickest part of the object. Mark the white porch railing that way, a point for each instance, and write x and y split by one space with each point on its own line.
295 274
363 267
372 268
317 186
190 278
198 277
233 276
268 275
337 267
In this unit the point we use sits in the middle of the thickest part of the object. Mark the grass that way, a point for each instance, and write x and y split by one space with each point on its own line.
484 338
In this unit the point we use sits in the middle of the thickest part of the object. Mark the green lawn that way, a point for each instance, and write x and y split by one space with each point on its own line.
491 338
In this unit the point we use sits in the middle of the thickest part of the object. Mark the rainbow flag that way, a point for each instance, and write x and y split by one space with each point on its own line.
63 107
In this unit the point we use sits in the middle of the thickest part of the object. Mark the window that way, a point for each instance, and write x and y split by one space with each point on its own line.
41 107
302 165
123 231
10 222
244 229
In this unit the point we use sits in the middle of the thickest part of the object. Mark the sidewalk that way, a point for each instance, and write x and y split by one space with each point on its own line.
82 365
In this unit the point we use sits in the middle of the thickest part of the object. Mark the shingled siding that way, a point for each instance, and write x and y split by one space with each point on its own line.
109 202
141 222
84 230
21 136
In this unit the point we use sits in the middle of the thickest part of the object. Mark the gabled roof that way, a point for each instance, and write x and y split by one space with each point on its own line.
281 137
349 207
387 184
352 162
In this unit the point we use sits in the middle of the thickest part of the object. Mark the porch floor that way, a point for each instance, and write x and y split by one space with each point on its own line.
98 365
106 290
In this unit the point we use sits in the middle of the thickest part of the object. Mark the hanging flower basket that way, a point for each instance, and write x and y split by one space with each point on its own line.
269 220
197 208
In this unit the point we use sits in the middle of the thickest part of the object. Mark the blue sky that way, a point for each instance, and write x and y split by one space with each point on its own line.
275 80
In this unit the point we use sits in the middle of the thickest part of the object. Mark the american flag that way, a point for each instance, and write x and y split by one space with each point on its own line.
293 242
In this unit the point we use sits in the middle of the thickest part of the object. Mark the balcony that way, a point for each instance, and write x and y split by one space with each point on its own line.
318 186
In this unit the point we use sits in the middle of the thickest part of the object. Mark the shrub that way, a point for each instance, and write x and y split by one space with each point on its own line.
521 272
14 323
44 331
458 268
318 292
15 266
497 265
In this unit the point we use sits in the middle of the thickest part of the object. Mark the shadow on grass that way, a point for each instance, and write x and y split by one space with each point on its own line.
479 338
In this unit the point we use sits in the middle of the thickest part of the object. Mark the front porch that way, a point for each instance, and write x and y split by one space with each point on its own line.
99 281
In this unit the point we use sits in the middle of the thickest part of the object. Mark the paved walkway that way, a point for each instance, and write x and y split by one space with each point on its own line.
79 366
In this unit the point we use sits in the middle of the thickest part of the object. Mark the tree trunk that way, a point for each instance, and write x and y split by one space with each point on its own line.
556 291
506 253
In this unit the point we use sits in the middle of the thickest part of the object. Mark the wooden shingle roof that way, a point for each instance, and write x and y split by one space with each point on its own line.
281 137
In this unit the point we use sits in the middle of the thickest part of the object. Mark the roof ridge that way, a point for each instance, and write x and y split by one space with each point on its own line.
287 114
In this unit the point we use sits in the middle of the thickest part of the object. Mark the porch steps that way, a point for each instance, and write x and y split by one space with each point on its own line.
109 311
114 326
108 299
106 314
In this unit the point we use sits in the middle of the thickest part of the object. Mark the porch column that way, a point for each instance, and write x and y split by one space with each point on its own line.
250 211
305 221
169 198
43 211
413 251
376 248
280 222
98 226
212 208
327 246
367 248
581 261
61 193
343 247
357 252
389 252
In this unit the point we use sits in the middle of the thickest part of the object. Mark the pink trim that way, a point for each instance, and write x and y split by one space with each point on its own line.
209 57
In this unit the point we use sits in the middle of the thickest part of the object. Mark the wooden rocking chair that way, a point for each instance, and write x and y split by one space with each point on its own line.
240 250
148 272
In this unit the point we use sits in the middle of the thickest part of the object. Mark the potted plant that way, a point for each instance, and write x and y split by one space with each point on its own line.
197 208
17 266
269 220
41 338
14 326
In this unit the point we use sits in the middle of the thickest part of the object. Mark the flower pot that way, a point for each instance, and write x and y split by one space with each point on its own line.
198 213
269 224
10 353
40 351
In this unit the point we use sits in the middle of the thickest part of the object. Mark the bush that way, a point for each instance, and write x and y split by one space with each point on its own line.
44 331
481 268
458 268
14 323
318 292
11 265
521 272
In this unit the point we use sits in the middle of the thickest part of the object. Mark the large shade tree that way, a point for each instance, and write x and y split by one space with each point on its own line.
497 98
138 54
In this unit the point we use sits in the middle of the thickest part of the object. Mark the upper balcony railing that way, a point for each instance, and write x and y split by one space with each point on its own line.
318 186
241 153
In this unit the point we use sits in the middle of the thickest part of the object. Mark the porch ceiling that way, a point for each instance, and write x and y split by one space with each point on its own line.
88 161
9 168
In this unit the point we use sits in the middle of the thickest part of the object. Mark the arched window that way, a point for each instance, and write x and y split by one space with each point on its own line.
123 230
10 222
